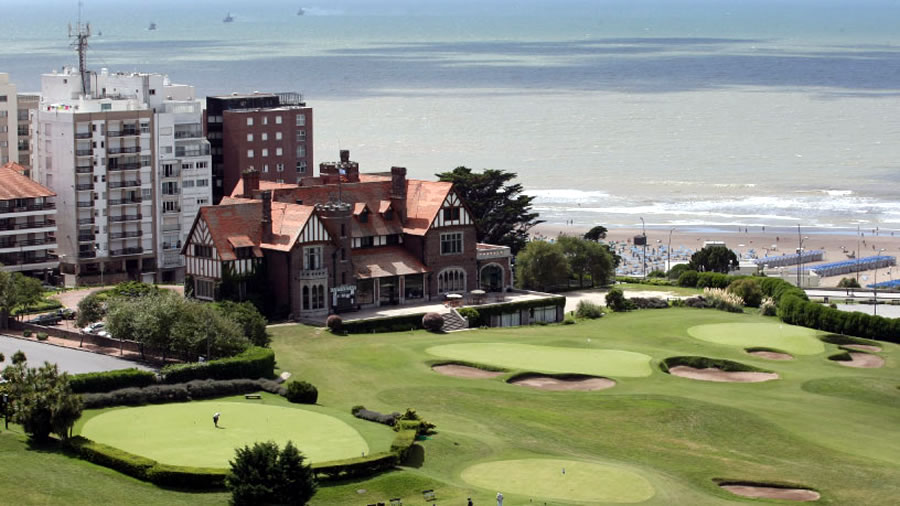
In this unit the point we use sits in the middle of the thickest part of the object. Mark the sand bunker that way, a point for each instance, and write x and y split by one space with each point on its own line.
786 494
716 374
464 371
771 355
561 383
863 360
863 347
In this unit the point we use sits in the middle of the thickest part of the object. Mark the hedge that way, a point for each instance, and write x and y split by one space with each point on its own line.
401 323
485 312
356 467
111 380
41 307
197 478
255 362
403 441
181 392
644 281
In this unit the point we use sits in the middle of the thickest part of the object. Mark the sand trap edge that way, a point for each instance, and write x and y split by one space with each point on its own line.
777 491
465 370
769 353
562 382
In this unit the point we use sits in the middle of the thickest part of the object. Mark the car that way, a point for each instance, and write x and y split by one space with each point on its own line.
104 333
46 319
93 328
66 313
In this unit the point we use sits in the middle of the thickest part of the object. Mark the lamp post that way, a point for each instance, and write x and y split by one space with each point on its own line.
669 252
858 256
644 259
875 286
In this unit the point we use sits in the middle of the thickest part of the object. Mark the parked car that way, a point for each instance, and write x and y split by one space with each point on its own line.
104 333
93 328
66 313
46 319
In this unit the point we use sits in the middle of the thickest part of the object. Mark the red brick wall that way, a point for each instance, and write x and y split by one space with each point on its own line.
437 262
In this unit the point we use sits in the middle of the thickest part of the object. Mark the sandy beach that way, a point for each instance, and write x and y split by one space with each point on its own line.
750 243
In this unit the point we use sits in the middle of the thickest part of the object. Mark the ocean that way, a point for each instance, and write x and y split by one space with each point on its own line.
704 113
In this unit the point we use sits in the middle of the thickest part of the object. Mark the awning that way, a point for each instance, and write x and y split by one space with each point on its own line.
386 261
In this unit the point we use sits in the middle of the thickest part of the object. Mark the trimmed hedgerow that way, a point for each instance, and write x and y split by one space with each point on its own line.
840 340
301 392
255 362
400 323
403 441
113 458
195 478
374 416
197 389
648 303
108 381
356 467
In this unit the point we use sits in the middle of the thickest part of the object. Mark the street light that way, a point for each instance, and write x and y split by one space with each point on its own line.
875 286
669 252
800 254
644 260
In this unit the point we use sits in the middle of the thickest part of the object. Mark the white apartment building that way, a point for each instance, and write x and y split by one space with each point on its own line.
130 167
8 113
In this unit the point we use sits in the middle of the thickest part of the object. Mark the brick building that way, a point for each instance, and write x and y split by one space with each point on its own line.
341 241
27 223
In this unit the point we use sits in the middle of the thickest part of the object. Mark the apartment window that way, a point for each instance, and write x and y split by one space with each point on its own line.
202 202
249 137
145 193
277 136
263 136
204 289
279 167
202 165
170 188
301 135
2 98
145 127
265 120
312 258
265 151
301 120
170 206
203 182
301 151
152 91
451 243
279 181
202 251
301 166
4 114
249 153
187 183
266 167
452 279
249 121
277 120
167 150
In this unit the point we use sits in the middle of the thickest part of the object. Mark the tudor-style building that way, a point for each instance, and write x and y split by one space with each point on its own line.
342 241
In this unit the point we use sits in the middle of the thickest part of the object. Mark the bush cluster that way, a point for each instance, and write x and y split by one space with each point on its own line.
182 392
42 336
433 322
374 416
401 323
767 307
587 309
255 362
471 315
655 281
723 300
111 380
797 311
301 392
412 420
748 290
648 303
335 323
616 301
697 302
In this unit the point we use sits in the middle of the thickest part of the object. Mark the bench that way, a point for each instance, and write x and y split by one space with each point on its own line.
396 502
252 396
428 495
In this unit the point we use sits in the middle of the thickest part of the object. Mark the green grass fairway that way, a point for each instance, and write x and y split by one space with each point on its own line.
183 433
549 359
544 479
789 338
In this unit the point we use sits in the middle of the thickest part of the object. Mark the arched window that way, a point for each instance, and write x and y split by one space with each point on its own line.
306 297
452 279
321 297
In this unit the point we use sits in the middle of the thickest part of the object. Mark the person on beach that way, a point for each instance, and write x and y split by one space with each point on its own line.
216 420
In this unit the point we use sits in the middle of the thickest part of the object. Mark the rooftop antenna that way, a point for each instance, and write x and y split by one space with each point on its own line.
80 42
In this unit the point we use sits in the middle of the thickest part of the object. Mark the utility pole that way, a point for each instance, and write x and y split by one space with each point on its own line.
80 34
799 254
858 256
669 252
644 259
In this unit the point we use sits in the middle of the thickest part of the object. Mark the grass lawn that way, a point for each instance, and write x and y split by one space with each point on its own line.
184 434
646 287
615 363
790 338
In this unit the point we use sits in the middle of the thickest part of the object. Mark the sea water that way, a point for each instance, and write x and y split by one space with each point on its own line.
684 113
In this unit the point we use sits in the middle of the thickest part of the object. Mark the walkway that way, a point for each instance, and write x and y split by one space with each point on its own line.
70 360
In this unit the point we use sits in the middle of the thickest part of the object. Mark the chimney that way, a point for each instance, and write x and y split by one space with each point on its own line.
345 155
266 216
251 182
398 191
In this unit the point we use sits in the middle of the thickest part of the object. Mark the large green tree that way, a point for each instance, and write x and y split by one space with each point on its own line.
42 400
502 213
714 258
262 474
596 233
587 257
17 289
542 265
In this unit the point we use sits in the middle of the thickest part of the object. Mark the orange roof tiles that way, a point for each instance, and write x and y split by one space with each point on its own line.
423 201
236 223
263 185
386 261
15 185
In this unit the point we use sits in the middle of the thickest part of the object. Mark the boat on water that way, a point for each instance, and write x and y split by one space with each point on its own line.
228 18
152 26
300 11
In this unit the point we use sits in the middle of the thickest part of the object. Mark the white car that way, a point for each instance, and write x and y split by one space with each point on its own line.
93 328
104 333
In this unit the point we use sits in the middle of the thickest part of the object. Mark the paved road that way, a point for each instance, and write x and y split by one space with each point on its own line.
855 293
69 360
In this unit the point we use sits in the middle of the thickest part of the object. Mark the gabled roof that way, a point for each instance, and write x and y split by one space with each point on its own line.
263 185
423 201
15 185
386 261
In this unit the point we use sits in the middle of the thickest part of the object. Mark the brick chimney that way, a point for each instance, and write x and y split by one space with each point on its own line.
266 216
345 155
398 191
250 177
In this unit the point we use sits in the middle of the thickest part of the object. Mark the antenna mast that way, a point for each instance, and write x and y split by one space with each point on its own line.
80 42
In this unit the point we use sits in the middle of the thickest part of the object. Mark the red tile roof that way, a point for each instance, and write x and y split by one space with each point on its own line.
263 185
423 201
15 185
386 261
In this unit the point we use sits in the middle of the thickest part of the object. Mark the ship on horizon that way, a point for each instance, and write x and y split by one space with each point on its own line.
152 26
300 11
228 18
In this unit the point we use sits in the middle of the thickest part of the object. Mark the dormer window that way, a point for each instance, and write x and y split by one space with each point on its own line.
243 252
451 213
364 216
389 215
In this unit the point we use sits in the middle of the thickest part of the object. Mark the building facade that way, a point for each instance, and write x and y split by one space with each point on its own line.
27 105
271 133
342 241
27 223
8 114
130 166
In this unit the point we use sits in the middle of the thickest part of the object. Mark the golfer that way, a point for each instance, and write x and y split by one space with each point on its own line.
470 502
499 499
216 420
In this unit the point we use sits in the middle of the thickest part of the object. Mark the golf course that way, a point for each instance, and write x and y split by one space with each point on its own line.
818 430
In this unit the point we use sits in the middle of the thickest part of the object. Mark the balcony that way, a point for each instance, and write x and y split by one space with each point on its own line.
171 245
83 135
84 152
89 203
125 166
24 226
124 150
124 184
136 250
126 235
310 274
199 151
84 187
85 221
189 134
125 132
126 217
489 251
86 237
84 169
32 207
172 228
125 202
87 254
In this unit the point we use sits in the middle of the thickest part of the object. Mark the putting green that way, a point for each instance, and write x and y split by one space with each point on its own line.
544 478
183 433
789 338
549 359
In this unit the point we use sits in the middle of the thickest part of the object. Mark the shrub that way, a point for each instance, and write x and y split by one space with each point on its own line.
767 307
697 302
471 314
374 416
615 300
197 389
301 392
255 362
113 458
19 357
713 280
262 474
90 309
433 322
411 420
569 320
688 279
251 321
656 274
335 323
401 323
748 290
186 477
587 309
26 333
848 283
676 270
721 299
360 466
648 303
402 443
42 336
111 380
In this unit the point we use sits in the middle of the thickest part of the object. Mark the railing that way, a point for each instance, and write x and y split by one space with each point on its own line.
126 166
22 209
86 237
172 245
89 203
179 152
172 211
83 152
171 228
171 193
123 133
188 134
26 242
124 202
85 221
126 251
83 135
126 235
84 169
87 254
83 187
124 184
314 274
117 219
24 226
490 251
173 173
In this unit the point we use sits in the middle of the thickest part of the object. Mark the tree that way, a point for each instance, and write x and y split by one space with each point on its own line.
587 257
17 289
542 266
262 474
19 357
42 400
597 233
848 283
201 329
249 318
90 309
502 213
615 300
28 290
676 270
714 258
